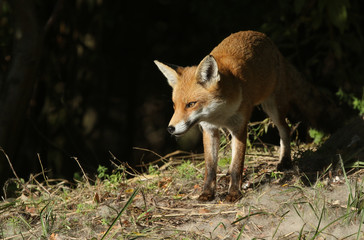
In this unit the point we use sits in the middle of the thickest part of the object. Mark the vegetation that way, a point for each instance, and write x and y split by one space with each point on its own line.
91 82
163 204
77 79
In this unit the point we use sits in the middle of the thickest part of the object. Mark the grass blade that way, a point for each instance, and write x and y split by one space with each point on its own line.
361 222
319 223
280 221
241 231
328 225
121 212
346 178
249 215
300 236
43 219
220 224
313 210
297 211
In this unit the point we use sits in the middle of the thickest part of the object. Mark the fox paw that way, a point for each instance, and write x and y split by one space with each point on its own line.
233 196
204 197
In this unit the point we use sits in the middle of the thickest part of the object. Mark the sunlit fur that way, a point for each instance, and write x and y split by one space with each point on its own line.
244 70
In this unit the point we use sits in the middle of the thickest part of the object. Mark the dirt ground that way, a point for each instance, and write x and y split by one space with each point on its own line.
274 206
321 198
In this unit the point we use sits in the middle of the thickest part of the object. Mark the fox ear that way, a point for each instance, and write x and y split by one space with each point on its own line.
207 71
169 71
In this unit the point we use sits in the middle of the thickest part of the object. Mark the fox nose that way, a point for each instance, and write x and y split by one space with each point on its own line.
171 129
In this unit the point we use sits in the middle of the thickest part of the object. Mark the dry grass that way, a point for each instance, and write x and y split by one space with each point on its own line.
161 204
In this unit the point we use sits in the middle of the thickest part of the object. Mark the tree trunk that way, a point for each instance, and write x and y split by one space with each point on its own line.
17 87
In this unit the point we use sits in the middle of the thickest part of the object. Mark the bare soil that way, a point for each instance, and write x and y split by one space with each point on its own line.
275 205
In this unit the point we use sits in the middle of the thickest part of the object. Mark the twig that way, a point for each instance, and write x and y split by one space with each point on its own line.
161 158
135 173
11 165
113 157
213 204
174 209
288 234
12 168
144 199
261 142
40 185
41 166
141 178
83 172
165 166
294 128
193 214
125 165
258 154
148 150
20 235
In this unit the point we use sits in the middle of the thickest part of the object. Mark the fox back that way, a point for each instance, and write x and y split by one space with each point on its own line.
244 70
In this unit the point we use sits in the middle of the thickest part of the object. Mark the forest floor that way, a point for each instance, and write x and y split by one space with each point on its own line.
162 203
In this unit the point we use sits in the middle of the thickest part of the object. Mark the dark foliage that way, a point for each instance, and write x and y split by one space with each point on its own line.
96 87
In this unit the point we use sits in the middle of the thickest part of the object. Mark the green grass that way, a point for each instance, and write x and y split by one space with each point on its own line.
187 170
120 213
224 162
162 204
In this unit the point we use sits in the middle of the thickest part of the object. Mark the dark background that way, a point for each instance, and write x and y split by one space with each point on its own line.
77 78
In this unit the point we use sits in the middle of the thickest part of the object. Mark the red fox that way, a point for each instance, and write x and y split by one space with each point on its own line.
246 69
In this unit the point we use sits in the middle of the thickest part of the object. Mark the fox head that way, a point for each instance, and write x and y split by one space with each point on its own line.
195 93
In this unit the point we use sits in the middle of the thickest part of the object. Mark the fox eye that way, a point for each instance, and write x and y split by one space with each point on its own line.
191 104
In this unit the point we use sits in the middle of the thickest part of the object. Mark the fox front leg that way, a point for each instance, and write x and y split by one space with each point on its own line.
238 148
211 142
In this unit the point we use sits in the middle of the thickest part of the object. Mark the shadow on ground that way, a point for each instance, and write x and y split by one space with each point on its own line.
344 148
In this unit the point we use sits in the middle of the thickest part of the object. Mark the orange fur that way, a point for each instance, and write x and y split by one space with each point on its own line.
244 70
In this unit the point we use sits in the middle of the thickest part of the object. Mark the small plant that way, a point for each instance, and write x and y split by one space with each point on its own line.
105 222
355 102
80 208
13 222
153 170
317 136
101 170
256 130
276 175
224 140
152 186
47 219
113 180
359 197
187 170
77 176
224 162
319 185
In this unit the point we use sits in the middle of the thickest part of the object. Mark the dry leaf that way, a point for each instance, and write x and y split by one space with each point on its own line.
97 198
129 190
163 183
203 210
31 210
53 236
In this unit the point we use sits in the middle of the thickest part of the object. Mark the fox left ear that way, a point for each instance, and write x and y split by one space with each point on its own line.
207 71
169 71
